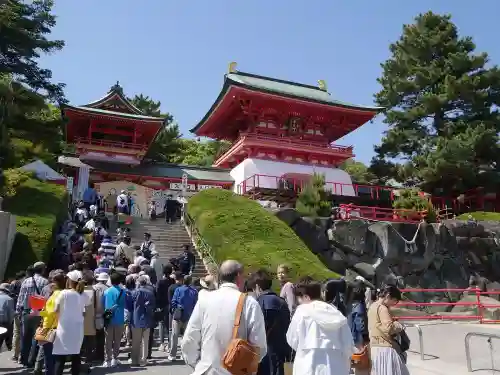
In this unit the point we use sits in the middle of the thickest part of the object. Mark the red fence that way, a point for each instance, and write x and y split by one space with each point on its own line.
262 181
349 211
115 144
477 304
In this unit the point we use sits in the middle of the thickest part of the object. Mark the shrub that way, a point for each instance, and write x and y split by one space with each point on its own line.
39 208
410 199
238 228
313 199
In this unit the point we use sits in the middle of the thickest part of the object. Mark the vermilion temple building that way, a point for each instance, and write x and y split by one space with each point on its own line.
281 133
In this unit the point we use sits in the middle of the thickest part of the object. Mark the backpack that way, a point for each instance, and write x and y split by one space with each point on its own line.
241 357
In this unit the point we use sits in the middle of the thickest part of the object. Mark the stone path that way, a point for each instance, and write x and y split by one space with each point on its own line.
157 366
443 347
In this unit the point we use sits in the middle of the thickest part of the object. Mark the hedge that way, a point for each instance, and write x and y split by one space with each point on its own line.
481 216
241 229
40 207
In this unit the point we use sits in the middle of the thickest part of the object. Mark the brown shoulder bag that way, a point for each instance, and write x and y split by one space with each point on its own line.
240 358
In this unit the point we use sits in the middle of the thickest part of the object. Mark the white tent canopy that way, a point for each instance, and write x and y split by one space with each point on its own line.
43 171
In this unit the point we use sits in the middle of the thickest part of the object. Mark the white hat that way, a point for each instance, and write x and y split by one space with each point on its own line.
103 276
74 275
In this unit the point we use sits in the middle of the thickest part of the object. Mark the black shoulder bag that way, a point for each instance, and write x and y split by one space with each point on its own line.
108 313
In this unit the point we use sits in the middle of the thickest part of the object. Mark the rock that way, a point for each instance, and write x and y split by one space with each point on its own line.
438 255
494 287
492 313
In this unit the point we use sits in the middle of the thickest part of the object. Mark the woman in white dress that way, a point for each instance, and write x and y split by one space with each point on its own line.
70 306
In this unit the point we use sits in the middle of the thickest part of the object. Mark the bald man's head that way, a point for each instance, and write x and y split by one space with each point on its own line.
229 271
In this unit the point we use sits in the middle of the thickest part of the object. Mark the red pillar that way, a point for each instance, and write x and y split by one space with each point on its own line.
91 126
135 134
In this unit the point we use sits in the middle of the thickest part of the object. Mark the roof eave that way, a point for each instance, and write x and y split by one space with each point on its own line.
103 112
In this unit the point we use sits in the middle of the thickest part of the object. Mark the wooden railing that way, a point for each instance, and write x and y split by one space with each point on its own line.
114 144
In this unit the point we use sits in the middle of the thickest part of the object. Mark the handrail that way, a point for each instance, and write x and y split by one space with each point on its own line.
420 338
206 250
467 346
348 211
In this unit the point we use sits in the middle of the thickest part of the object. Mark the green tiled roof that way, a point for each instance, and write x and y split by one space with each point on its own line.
280 87
112 113
165 170
291 89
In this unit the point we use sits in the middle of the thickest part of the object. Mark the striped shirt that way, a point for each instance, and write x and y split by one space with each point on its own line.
108 249
29 289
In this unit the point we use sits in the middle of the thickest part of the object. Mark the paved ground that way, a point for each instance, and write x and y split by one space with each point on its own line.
443 347
444 350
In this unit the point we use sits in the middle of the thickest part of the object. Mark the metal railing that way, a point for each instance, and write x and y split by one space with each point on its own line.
349 211
201 245
115 144
477 304
420 338
467 347
295 185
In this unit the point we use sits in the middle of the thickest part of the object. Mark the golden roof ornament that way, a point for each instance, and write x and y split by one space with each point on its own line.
232 67
322 85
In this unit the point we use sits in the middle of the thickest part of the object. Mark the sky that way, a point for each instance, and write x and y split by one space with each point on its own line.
177 51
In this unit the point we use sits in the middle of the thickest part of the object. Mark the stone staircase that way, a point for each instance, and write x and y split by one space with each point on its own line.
168 239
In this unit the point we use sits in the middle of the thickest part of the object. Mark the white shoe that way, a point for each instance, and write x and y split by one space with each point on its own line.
115 362
143 362
170 358
106 364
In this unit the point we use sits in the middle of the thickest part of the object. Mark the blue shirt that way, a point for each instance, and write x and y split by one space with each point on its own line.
142 307
185 298
90 195
111 301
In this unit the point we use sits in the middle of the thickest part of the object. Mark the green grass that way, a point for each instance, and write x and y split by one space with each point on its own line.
238 228
481 216
39 208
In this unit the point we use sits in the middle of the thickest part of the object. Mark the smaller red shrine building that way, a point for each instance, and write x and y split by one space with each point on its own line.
112 138
282 133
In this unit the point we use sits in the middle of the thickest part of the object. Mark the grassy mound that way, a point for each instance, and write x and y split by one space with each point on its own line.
39 208
238 228
481 216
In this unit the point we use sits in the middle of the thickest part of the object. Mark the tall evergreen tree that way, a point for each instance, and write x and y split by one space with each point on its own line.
441 102
24 30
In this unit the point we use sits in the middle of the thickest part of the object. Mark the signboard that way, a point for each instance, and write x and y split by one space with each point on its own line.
204 187
69 184
179 186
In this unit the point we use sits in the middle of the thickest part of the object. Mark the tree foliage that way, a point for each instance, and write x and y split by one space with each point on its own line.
201 153
24 27
313 199
440 98
410 199
358 171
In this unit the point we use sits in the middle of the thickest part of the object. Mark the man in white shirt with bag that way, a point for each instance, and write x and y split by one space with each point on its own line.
209 335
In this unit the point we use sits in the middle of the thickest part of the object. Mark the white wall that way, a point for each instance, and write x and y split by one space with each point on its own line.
269 173
7 234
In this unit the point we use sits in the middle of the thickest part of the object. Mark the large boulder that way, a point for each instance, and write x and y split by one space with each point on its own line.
492 311
438 255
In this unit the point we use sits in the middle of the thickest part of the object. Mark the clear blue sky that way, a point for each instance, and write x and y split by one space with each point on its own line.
178 51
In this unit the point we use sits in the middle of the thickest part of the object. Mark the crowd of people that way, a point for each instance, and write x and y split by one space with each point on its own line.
112 296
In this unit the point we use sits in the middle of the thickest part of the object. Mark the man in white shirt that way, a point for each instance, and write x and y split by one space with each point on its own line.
209 330
122 202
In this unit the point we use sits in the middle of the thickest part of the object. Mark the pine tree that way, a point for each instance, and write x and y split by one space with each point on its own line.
440 98
24 27
313 199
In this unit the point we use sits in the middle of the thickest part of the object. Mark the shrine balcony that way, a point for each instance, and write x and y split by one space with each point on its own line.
265 187
283 144
111 144
352 212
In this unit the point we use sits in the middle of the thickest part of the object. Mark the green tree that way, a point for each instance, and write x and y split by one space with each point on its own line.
167 144
358 171
441 102
148 106
201 153
24 30
313 199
